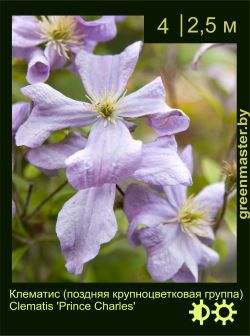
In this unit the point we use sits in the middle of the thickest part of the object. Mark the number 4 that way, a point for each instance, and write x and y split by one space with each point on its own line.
163 26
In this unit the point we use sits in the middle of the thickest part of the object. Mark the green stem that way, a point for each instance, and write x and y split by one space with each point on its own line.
222 213
26 205
120 190
39 206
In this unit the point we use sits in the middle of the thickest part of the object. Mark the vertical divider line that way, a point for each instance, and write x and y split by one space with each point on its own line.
181 25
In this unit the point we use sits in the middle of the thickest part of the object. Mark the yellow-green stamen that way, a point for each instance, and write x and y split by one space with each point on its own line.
61 32
193 218
105 109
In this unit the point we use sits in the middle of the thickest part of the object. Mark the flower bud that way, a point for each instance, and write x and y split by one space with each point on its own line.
229 170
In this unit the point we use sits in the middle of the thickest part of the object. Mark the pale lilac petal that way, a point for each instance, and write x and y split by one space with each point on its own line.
206 257
38 67
190 247
197 256
187 157
20 112
149 99
54 60
52 111
53 156
211 198
202 50
161 166
164 251
102 74
89 45
169 123
23 53
145 207
13 208
130 125
120 18
205 47
85 222
173 254
184 274
100 30
25 32
149 217
167 141
137 198
175 195
111 154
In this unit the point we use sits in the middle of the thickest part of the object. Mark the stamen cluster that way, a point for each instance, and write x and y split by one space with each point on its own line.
192 217
61 31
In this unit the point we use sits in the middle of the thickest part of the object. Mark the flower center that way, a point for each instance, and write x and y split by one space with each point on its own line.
61 32
105 109
192 217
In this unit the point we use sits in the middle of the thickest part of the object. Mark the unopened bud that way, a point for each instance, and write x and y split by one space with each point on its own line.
229 170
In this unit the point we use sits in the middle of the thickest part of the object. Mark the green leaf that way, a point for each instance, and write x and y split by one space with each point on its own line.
231 220
211 170
20 183
212 279
124 264
31 172
121 220
57 136
17 255
221 247
18 227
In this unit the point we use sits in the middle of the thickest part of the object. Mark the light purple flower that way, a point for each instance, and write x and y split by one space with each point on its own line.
63 32
176 228
20 112
110 154
160 165
62 36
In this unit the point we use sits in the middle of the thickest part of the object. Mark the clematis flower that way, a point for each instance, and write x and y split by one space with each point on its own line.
62 36
87 219
111 153
81 233
108 156
20 112
176 228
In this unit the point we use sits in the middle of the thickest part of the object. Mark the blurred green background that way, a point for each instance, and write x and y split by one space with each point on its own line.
207 95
